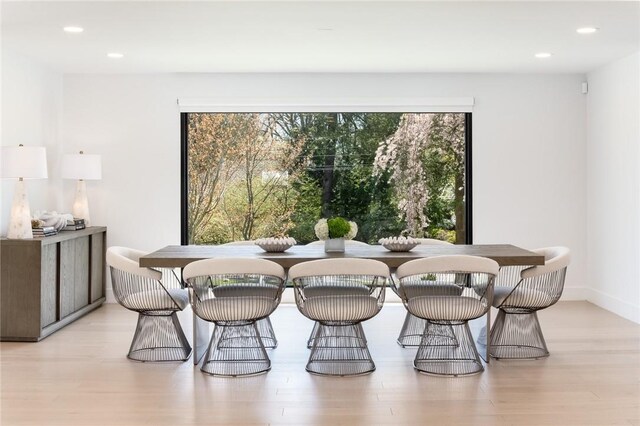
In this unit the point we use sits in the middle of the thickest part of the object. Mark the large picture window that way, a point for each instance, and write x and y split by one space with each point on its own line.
253 175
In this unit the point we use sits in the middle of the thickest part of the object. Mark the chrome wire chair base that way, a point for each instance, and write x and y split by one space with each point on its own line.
314 333
236 350
159 337
517 336
340 350
412 331
312 336
268 336
447 349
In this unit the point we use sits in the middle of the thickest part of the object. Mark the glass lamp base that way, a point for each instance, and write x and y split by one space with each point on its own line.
20 221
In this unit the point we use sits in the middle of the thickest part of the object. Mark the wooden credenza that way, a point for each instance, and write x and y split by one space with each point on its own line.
47 283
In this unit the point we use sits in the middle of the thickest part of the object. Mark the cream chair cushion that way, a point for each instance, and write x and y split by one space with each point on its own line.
350 307
157 300
236 308
520 297
127 260
446 307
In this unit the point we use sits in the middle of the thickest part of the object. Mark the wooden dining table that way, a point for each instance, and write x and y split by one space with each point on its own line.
175 256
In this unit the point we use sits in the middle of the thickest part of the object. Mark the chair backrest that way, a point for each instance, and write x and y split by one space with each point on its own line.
134 287
433 242
448 264
346 242
339 277
555 259
509 276
536 287
343 289
455 287
233 266
228 287
342 267
127 260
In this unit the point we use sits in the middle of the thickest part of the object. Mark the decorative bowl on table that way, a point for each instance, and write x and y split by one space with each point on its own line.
276 245
399 243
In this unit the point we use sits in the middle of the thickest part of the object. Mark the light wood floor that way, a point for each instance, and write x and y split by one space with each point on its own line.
80 376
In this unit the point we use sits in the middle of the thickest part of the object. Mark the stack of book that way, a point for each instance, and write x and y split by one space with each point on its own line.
74 225
45 231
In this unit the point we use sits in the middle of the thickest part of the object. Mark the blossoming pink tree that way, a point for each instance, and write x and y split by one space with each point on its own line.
402 154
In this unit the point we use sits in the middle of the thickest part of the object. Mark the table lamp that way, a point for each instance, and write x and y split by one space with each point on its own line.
82 167
22 162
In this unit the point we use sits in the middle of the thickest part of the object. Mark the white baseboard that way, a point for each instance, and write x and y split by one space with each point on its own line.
619 307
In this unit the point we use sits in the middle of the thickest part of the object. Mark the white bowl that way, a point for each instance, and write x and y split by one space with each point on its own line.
275 245
399 243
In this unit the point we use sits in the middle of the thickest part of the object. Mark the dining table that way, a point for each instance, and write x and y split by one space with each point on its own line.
179 256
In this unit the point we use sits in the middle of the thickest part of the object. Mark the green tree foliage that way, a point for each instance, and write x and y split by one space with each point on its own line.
214 147
308 209
238 178
444 159
340 149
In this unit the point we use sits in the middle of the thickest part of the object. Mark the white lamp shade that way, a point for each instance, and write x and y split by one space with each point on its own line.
81 166
28 162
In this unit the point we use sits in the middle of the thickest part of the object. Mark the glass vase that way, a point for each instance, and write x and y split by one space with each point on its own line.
334 245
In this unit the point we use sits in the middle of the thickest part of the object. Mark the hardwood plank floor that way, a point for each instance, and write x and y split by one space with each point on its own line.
80 375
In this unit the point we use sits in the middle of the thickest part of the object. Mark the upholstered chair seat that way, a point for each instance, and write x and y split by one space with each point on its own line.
157 300
444 307
522 297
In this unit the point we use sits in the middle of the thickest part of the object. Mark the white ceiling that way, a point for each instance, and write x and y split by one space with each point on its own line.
321 36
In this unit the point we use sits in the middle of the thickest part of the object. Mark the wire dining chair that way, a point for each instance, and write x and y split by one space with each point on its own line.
156 295
519 294
456 289
339 294
235 293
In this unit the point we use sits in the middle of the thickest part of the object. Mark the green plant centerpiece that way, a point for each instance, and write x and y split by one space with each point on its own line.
334 231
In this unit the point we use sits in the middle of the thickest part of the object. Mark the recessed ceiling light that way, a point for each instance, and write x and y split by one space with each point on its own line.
543 55
115 55
587 30
73 29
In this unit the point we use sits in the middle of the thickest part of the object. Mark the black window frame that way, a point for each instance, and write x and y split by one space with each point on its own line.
184 175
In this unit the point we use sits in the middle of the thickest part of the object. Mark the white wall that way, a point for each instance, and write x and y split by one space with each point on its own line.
613 190
528 147
31 115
